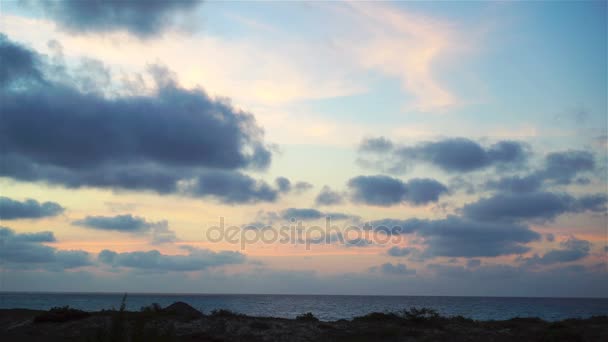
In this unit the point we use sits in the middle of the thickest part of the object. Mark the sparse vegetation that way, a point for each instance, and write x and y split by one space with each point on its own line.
61 314
308 317
225 313
180 321
420 315
152 308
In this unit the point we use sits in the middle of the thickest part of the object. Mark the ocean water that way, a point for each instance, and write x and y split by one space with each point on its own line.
326 307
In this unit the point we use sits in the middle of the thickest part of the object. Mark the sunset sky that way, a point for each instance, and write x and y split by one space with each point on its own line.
472 136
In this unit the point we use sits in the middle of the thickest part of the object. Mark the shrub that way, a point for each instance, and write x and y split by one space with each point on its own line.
308 317
225 313
118 328
152 308
61 314
420 315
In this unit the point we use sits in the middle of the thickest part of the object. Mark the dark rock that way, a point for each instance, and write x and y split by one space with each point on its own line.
183 309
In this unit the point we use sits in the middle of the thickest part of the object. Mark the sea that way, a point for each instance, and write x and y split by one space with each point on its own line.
325 307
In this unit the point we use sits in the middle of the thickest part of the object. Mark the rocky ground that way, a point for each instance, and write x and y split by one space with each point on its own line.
180 322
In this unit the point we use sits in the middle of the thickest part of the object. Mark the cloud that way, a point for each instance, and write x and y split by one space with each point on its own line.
52 131
158 231
232 187
301 187
162 234
457 237
572 249
29 209
396 251
472 263
562 167
144 19
308 214
273 219
337 238
542 206
283 184
517 184
122 223
393 269
460 183
450 155
404 46
376 145
461 237
385 191
153 260
328 197
26 250
559 168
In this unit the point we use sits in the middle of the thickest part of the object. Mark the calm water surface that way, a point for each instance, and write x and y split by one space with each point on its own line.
324 307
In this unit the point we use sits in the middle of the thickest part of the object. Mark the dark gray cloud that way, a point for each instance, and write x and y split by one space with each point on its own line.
158 231
393 226
424 190
328 197
29 209
145 19
457 237
450 155
26 250
386 191
393 269
301 214
19 65
196 260
283 184
560 168
52 132
461 237
123 223
464 155
232 187
541 206
572 249
517 184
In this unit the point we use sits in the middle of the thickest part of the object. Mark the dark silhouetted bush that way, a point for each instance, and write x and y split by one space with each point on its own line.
61 314
152 308
309 317
419 315
225 313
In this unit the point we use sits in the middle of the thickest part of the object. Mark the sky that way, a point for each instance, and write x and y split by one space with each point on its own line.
369 148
